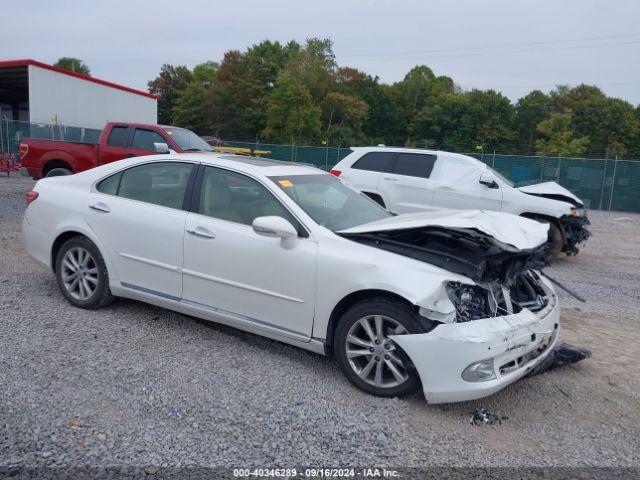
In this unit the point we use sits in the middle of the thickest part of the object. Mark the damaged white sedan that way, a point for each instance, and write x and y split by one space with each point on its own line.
453 302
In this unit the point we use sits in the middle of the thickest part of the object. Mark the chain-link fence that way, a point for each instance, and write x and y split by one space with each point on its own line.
603 184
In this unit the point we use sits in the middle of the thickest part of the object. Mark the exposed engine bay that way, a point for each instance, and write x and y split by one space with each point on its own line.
507 279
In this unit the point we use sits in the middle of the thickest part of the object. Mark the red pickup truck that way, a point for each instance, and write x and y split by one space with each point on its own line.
49 158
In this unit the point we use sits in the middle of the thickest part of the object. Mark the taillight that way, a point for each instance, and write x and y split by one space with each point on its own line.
30 196
23 150
335 172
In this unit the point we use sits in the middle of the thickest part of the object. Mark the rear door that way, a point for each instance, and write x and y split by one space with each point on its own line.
364 175
115 147
139 216
407 187
143 142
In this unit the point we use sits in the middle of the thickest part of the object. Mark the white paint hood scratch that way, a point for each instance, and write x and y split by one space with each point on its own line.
513 230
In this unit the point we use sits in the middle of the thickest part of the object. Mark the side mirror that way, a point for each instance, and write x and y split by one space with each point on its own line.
273 226
488 180
160 147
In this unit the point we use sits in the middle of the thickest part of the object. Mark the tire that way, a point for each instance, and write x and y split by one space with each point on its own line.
554 243
91 290
58 172
351 324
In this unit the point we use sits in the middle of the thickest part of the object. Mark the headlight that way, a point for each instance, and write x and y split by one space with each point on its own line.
471 301
479 371
578 212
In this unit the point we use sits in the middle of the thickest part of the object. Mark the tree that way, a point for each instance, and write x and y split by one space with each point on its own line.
189 109
73 64
168 85
314 66
530 110
292 114
343 116
463 121
557 137
205 73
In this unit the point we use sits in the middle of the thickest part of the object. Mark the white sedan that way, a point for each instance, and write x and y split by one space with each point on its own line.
452 302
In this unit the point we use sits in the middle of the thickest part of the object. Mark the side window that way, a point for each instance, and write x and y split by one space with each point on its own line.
375 162
237 198
118 137
144 139
162 183
414 164
110 184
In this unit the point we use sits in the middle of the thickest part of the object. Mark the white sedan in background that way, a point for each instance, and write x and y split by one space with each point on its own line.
452 302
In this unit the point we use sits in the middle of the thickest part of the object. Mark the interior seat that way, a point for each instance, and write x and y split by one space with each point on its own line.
216 201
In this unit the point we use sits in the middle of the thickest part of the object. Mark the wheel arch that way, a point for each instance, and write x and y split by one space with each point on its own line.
347 302
55 163
59 241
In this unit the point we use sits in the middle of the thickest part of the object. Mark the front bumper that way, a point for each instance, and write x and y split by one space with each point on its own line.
516 343
575 232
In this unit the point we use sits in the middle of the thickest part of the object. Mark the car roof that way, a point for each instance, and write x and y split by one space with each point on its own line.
244 163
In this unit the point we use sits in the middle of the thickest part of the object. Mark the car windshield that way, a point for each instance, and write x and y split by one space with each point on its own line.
500 177
329 202
187 140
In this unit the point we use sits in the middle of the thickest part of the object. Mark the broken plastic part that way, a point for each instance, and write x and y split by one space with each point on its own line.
562 354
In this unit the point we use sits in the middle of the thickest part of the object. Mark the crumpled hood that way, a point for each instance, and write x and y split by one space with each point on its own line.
550 188
519 232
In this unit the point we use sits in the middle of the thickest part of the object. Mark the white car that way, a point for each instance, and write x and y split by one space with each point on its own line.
450 301
407 180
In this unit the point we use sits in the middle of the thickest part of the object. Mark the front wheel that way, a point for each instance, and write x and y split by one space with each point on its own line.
554 243
368 357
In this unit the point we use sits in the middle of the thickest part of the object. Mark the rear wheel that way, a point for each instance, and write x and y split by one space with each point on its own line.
82 274
58 172
368 357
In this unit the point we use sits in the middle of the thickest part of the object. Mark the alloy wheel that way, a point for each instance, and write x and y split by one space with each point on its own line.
372 355
79 273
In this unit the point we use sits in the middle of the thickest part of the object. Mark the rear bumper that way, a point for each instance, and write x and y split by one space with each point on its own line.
516 343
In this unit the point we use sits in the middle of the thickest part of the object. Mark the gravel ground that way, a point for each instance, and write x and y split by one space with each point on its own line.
137 385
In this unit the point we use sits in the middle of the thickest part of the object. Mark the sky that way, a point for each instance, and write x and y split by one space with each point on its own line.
513 46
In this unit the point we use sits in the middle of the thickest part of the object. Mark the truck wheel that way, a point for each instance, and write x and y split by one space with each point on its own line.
82 274
58 172
554 243
366 354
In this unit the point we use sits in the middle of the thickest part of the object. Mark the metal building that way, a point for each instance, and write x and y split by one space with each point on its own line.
35 92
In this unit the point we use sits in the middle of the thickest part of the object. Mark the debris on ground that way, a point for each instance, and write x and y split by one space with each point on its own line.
481 416
562 354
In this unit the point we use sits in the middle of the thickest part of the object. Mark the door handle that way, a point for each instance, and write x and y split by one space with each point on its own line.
201 232
391 179
100 207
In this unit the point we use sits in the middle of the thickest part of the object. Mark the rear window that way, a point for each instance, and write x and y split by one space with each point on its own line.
375 162
414 164
118 137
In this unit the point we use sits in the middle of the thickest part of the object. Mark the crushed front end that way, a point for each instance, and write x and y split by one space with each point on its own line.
498 335
489 327
574 227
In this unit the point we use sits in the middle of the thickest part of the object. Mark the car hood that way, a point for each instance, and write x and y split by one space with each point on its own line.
521 233
552 190
483 246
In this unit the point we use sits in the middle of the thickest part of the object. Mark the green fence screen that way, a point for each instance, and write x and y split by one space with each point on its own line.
604 184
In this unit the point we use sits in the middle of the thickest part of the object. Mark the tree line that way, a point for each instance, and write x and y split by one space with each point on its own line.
297 93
